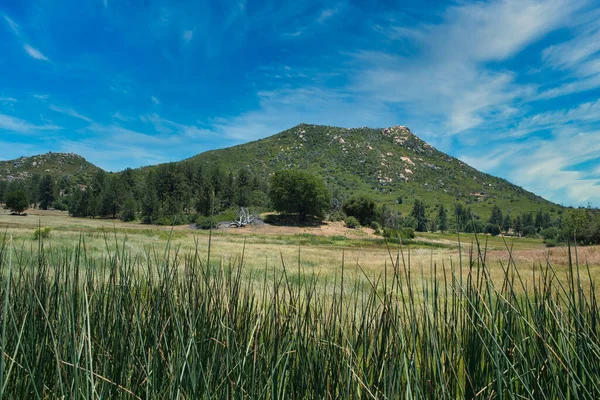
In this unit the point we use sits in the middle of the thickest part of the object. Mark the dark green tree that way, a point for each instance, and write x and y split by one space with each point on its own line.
128 210
518 226
46 192
3 188
17 201
418 213
301 193
496 218
442 218
506 223
360 207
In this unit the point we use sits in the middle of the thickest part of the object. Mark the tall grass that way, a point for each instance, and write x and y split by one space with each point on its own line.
168 325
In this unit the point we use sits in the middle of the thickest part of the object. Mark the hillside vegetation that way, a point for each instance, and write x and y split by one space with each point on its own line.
57 165
387 164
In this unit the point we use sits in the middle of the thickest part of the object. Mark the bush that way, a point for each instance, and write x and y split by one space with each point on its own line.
402 233
337 216
60 205
360 207
352 223
228 215
550 233
550 242
492 229
43 233
376 226
530 231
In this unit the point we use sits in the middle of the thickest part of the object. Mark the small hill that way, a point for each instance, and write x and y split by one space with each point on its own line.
55 164
392 165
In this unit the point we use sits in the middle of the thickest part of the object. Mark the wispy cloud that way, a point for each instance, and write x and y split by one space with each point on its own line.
7 100
35 53
326 14
22 126
155 100
41 96
12 24
452 63
175 129
70 112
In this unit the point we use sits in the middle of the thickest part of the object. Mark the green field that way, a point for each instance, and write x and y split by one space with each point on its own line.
105 309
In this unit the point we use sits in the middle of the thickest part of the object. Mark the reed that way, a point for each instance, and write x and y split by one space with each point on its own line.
172 325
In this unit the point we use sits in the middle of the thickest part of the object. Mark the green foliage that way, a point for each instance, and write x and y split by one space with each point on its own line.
299 192
492 229
46 192
403 233
337 216
376 226
129 210
360 207
442 218
496 218
352 222
530 231
17 201
152 327
61 204
42 233
418 213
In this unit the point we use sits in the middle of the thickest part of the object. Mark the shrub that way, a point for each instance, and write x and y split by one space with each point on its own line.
402 233
360 207
43 233
352 223
550 233
376 226
337 216
529 231
492 229
550 242
60 205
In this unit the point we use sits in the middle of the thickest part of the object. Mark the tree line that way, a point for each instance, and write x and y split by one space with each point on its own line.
187 193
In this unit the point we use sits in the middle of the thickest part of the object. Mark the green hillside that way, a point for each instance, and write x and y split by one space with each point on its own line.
54 164
384 163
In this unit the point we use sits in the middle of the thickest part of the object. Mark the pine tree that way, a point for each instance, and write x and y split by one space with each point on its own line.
418 213
46 192
442 218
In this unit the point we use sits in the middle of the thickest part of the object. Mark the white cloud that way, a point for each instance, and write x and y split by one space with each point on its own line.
13 25
18 125
449 76
326 14
175 129
105 3
155 100
35 53
8 100
283 108
70 112
41 96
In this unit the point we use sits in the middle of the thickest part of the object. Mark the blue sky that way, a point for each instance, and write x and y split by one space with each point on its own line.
512 87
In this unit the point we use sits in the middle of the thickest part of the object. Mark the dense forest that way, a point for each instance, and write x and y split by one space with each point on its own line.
186 193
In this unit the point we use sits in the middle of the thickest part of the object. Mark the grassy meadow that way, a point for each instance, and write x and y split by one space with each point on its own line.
105 309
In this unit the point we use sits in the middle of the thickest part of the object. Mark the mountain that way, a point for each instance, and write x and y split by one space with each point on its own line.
55 164
387 164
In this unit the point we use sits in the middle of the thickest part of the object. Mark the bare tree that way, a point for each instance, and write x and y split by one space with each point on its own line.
245 217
